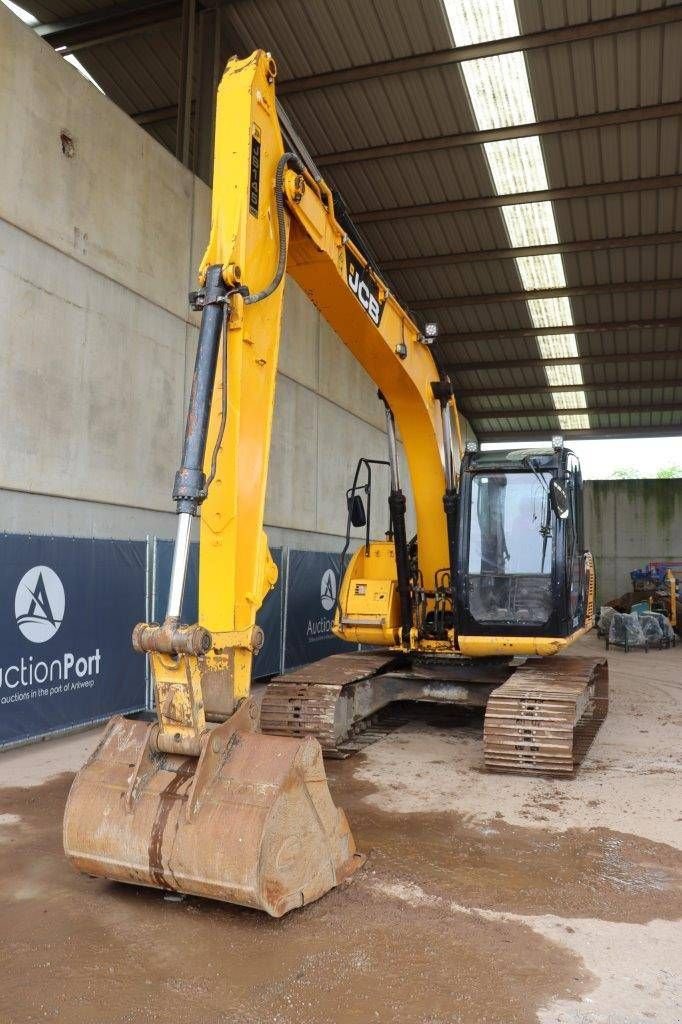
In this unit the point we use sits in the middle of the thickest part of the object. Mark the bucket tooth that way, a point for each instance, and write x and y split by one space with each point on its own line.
251 821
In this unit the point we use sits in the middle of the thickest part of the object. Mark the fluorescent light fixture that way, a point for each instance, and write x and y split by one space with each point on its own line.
28 19
500 95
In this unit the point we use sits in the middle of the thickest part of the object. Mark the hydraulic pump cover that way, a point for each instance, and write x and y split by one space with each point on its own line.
251 821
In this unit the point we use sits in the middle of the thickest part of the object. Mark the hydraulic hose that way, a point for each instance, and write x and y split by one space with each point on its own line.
284 161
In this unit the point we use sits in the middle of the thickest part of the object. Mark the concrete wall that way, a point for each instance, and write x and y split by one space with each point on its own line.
100 232
629 523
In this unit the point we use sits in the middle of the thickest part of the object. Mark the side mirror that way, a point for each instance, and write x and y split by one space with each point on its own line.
558 498
356 510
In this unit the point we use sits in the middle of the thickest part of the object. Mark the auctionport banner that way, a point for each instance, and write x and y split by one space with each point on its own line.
67 609
312 585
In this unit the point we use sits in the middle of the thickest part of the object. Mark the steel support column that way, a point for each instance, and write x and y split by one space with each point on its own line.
186 82
210 70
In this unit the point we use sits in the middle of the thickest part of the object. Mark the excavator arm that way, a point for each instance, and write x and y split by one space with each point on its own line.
271 214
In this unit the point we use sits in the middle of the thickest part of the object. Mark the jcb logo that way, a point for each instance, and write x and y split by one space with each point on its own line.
364 289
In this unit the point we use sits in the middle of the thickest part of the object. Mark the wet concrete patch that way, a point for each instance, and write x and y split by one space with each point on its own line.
82 950
596 872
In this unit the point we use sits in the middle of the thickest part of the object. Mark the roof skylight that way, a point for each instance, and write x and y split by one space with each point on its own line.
516 165
29 19
480 20
75 63
496 88
499 92
530 224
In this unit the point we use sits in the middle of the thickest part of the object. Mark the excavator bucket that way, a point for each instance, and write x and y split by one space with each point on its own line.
250 821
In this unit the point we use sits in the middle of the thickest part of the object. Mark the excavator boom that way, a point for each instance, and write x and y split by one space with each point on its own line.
200 801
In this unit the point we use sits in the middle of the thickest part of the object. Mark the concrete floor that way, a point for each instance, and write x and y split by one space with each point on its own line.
484 899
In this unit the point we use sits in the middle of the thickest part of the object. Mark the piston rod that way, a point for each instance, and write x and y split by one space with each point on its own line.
392 449
178 576
397 506
443 393
446 417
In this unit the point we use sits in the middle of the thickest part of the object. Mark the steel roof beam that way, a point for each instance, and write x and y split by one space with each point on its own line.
670 430
601 188
632 115
488 255
541 389
584 360
108 24
156 114
442 58
604 410
606 327
617 287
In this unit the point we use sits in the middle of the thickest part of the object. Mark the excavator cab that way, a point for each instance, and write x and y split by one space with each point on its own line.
521 553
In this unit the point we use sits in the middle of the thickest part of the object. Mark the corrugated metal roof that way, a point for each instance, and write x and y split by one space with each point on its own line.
614 72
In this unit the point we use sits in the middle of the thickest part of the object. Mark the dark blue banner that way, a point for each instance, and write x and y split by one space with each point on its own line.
67 610
312 585
268 661
68 606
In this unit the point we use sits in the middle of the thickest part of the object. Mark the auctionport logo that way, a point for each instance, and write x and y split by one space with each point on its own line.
328 590
39 604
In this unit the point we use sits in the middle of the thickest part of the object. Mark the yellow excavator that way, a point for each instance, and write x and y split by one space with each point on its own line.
215 797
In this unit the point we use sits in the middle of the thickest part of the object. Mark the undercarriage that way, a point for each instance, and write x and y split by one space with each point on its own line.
541 715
